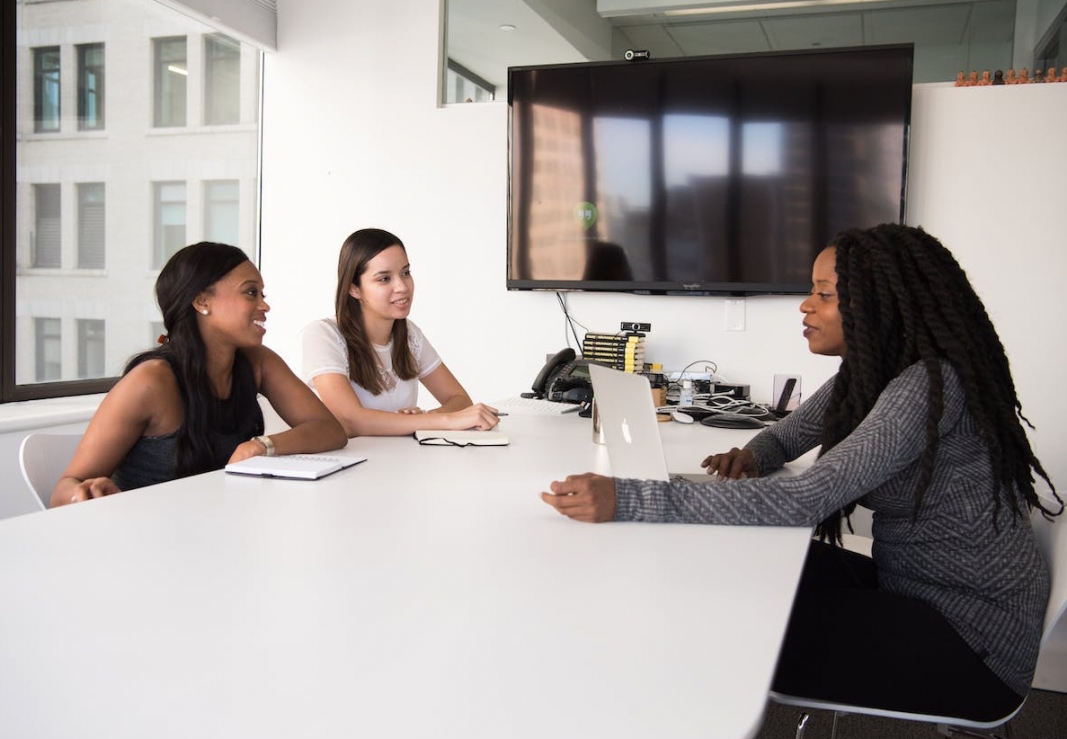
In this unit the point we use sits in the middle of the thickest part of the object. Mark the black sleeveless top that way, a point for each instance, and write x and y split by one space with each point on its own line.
153 458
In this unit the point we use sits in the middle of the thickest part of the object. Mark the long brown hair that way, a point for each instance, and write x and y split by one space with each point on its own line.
363 366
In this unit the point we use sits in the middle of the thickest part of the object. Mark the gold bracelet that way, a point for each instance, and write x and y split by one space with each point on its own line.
267 443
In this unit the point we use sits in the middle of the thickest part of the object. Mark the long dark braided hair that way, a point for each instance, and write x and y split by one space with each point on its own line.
191 271
904 299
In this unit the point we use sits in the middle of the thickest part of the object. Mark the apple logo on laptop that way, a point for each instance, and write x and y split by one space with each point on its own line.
626 432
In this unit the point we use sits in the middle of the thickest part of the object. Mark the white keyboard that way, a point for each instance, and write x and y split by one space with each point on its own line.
533 407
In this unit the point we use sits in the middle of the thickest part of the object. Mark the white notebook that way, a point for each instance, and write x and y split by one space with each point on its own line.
294 466
431 437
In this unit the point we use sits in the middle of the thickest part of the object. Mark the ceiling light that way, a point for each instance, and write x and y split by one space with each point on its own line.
177 70
755 7
507 27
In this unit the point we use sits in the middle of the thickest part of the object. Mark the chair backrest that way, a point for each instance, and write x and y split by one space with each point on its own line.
1052 541
42 459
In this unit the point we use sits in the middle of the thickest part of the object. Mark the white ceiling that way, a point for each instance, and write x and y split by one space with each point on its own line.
939 29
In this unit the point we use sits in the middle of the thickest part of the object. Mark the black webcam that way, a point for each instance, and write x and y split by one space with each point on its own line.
631 54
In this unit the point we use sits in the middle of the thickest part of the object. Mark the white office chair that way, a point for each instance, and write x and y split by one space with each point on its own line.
1052 541
42 459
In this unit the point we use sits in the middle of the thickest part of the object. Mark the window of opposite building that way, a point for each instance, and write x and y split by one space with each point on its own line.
91 346
222 214
91 234
46 89
123 106
222 80
90 87
171 76
47 248
170 221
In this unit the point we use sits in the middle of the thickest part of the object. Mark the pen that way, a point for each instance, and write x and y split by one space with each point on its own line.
500 414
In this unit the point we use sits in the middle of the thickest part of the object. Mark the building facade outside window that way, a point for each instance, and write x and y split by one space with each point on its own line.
91 349
46 89
222 80
80 298
171 74
90 87
170 221
47 244
91 226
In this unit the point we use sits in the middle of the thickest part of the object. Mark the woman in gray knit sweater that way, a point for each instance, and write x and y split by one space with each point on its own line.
921 425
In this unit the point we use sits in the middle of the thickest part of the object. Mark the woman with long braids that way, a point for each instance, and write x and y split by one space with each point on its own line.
921 425
190 405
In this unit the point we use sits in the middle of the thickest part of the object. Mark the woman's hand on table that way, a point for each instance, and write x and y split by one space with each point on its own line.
586 497
733 465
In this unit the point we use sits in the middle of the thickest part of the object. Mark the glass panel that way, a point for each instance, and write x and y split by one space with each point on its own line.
222 80
171 76
91 355
91 225
170 221
48 342
46 241
77 269
46 89
90 87
222 215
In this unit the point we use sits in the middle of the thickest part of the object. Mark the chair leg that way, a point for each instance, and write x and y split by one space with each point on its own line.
802 721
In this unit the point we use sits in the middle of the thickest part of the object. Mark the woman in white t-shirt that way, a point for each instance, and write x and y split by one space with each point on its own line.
366 364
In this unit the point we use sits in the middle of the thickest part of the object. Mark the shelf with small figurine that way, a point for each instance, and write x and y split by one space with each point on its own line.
963 79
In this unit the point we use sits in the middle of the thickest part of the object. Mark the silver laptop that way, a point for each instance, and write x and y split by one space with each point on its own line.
631 431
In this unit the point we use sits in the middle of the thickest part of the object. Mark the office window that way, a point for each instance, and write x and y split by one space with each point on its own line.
91 349
171 74
46 242
91 252
46 89
170 221
49 349
71 260
221 216
222 80
90 87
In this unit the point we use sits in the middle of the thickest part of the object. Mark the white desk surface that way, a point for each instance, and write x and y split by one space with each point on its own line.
425 593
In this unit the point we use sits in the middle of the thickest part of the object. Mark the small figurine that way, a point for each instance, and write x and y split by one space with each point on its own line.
973 79
961 79
1051 76
1024 77
998 77
985 79
1039 76
1010 79
1063 75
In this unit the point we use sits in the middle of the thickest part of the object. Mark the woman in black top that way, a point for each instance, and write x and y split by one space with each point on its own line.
190 405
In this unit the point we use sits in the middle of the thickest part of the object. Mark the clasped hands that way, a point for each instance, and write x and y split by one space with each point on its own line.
591 498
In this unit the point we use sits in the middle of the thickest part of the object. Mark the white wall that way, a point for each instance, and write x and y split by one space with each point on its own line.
353 138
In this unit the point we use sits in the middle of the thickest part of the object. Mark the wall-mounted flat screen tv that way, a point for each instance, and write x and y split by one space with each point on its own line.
708 175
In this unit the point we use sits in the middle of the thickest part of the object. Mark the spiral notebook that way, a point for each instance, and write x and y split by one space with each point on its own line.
293 466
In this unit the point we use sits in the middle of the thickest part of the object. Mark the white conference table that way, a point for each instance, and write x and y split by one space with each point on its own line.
427 592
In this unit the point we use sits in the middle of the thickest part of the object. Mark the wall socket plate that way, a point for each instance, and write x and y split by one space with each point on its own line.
631 326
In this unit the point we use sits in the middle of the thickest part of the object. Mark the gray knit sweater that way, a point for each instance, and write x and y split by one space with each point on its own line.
991 584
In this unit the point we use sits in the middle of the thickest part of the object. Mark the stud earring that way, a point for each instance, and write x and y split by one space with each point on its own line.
204 311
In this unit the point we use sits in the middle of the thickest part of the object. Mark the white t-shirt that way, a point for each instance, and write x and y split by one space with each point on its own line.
325 352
